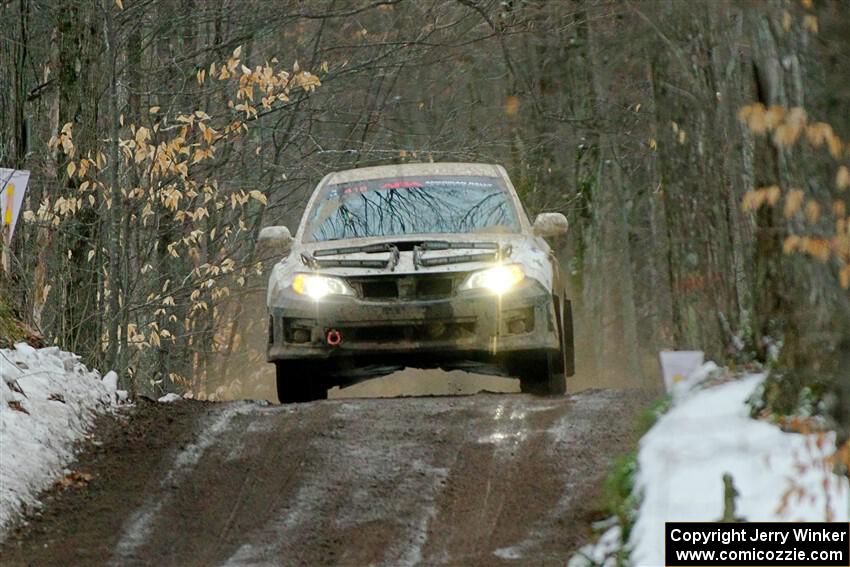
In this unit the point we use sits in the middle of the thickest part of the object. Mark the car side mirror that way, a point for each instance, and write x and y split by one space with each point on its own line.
550 224
275 238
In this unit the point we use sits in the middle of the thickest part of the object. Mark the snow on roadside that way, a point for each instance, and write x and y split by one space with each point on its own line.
48 400
708 432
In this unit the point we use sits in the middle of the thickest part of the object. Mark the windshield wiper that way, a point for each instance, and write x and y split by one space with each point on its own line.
497 252
316 260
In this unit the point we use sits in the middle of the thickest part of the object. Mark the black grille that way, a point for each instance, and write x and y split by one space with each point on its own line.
433 287
384 288
425 286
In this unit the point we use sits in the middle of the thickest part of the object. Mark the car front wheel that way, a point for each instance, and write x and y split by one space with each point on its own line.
542 374
297 383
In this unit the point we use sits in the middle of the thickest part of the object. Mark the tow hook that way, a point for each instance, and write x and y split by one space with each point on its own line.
333 337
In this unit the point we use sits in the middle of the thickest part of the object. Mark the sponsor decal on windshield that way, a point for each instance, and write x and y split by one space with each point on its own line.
406 184
402 185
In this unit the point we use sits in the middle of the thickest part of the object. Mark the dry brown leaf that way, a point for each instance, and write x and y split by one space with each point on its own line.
16 405
74 479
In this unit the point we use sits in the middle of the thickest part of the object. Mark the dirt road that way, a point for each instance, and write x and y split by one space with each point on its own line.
486 479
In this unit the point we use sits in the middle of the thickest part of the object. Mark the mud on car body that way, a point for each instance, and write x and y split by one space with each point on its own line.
419 265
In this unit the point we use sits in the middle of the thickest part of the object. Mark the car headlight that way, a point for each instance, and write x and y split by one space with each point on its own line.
317 287
498 280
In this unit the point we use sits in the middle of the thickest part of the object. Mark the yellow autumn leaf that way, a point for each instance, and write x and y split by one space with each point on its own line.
754 116
72 167
773 194
153 109
810 22
792 243
753 199
786 135
258 196
773 116
512 104
793 201
817 248
842 178
120 4
812 211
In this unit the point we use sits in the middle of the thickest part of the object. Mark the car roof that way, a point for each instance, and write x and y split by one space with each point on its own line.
413 169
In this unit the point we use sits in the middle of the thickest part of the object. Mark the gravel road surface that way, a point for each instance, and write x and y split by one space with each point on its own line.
489 479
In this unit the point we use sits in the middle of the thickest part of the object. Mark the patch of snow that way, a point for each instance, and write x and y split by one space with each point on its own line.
602 553
170 397
689 385
683 458
48 401
707 433
508 553
110 380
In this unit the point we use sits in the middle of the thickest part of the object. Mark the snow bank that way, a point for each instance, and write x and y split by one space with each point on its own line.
48 399
707 433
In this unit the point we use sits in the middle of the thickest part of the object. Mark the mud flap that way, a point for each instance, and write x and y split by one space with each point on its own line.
568 341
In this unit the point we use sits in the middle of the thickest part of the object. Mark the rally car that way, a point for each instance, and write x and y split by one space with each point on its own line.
417 265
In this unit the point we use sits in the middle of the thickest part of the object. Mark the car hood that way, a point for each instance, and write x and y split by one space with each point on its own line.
529 251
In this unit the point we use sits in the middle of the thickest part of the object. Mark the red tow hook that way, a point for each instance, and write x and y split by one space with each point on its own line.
333 337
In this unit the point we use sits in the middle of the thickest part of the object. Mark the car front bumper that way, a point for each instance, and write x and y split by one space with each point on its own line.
474 323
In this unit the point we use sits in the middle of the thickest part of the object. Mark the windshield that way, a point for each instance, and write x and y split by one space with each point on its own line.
411 205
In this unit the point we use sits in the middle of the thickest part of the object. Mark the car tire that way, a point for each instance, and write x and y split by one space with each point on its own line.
542 374
296 383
